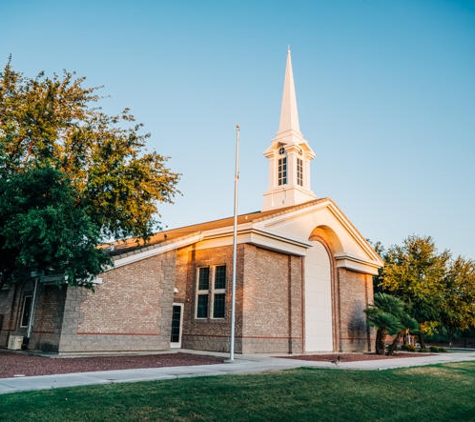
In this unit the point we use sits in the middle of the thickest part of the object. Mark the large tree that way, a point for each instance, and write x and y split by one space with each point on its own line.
414 272
42 232
55 123
457 310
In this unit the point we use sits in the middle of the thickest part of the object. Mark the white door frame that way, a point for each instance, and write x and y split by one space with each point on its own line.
177 345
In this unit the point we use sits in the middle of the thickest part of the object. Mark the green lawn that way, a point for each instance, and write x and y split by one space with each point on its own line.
435 393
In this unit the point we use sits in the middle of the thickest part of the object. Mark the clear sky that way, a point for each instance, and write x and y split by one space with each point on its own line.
385 90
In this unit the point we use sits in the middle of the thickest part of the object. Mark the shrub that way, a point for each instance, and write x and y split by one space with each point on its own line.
434 349
424 350
409 347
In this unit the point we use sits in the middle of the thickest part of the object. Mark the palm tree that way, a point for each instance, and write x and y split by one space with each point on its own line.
389 316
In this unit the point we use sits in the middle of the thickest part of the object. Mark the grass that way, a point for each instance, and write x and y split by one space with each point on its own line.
435 393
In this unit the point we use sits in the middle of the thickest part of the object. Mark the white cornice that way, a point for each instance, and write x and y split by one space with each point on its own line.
257 237
222 237
262 233
356 264
157 250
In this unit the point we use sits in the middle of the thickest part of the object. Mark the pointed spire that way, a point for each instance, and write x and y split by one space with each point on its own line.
289 127
289 154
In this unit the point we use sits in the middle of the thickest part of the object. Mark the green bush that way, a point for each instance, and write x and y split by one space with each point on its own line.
424 350
434 349
442 350
408 347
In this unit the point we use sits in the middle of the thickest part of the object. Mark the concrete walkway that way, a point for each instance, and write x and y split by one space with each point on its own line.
243 364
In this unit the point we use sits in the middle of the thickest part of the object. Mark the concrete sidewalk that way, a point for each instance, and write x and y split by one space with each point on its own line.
243 364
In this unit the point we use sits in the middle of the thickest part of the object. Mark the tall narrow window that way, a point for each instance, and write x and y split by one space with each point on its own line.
203 293
211 296
219 292
282 168
299 172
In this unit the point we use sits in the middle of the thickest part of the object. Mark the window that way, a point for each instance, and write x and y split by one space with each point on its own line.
219 291
282 168
203 292
299 172
26 311
211 296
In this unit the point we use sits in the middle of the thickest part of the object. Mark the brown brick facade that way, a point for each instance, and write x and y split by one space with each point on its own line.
48 315
131 310
355 291
9 304
272 302
209 333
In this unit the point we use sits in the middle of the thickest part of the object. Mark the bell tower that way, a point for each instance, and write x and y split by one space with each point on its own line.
289 154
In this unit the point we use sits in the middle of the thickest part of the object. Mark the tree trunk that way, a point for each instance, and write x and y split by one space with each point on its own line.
421 338
381 341
392 347
450 333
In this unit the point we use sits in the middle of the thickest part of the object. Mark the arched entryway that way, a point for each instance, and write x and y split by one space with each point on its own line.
318 299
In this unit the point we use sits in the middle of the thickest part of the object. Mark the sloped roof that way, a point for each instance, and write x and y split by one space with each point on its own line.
135 244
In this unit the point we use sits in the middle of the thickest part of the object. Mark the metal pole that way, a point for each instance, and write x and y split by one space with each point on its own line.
233 293
32 312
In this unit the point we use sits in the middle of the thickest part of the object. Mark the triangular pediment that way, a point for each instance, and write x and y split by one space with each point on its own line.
323 218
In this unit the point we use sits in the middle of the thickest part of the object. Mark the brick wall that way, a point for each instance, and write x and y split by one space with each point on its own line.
208 333
11 305
130 311
268 301
48 318
9 299
47 314
356 290
272 320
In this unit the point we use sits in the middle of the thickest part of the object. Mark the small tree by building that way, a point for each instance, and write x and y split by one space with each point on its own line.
389 316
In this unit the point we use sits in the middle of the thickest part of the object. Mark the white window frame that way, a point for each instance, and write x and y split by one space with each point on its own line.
202 292
177 345
282 171
211 292
215 291
299 171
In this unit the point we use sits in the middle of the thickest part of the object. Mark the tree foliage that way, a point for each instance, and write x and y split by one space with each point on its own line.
42 231
457 309
439 290
389 316
52 124
413 272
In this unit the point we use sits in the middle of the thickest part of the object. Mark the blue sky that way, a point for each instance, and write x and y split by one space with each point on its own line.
385 89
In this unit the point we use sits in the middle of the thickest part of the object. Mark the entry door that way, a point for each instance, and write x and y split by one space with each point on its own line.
175 340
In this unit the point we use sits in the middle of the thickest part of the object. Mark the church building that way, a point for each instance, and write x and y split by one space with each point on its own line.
303 278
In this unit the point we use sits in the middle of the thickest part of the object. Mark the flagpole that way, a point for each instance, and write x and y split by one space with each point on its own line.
233 293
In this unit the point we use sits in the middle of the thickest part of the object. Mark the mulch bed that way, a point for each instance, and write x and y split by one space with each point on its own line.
21 364
353 357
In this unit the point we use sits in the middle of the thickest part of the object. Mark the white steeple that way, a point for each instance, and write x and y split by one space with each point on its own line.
289 154
289 128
